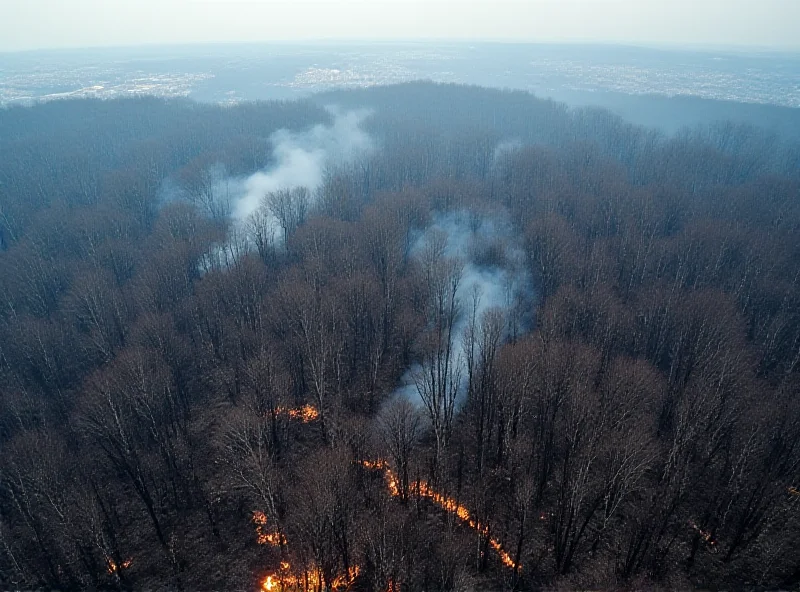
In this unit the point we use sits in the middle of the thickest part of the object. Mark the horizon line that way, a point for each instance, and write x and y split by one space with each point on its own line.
739 48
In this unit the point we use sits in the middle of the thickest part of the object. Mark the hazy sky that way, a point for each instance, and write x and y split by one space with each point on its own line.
32 24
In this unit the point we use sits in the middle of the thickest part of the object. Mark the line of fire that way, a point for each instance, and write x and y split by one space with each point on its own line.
289 579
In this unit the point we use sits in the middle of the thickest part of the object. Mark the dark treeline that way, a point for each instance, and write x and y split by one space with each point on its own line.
640 429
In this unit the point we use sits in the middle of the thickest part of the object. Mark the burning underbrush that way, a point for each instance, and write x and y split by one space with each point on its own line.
266 536
289 580
112 567
704 534
450 505
304 414
307 579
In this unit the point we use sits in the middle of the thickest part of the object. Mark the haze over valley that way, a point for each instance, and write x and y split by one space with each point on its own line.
230 73
505 299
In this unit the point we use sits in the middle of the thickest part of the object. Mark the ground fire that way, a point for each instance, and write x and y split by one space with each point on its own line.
112 567
450 505
266 537
704 534
289 580
304 414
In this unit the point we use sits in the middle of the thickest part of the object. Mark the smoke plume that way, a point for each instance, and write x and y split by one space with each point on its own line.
299 165
302 158
493 277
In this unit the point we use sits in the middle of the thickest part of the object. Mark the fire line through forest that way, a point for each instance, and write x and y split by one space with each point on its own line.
285 579
449 504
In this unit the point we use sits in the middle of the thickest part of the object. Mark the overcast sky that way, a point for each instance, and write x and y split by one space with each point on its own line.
34 24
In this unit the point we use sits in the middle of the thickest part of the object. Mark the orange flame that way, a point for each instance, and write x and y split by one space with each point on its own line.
269 583
286 579
344 580
307 579
449 504
112 566
376 464
391 479
271 538
304 414
275 539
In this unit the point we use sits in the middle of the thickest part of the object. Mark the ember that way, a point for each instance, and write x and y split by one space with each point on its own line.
287 580
304 414
264 537
112 566
705 535
449 504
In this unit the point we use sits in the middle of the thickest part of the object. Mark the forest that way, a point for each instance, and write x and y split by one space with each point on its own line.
420 337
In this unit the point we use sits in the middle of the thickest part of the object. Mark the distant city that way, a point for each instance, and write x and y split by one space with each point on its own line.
230 74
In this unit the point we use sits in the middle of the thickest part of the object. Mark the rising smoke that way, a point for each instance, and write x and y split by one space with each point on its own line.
505 148
493 277
301 159
300 162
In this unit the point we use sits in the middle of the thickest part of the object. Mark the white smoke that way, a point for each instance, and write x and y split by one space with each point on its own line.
494 276
469 237
302 158
505 148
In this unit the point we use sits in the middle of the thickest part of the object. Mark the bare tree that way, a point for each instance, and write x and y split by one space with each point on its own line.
262 230
290 207
438 377
400 426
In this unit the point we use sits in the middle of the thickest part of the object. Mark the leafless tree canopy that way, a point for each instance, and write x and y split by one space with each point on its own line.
189 402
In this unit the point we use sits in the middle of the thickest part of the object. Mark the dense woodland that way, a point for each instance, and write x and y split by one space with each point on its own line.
638 427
